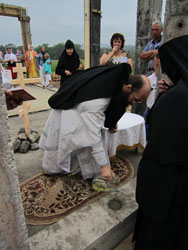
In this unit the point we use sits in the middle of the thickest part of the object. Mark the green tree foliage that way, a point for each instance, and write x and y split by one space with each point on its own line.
56 50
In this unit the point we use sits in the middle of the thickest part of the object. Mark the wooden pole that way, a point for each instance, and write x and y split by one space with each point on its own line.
87 32
95 26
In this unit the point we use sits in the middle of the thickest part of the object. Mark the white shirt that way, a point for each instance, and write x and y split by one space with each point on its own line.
10 56
151 98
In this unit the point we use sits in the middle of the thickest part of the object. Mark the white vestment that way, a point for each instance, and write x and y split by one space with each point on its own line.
151 98
72 138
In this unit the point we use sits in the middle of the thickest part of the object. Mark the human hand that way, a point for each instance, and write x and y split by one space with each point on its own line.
112 130
68 73
7 92
155 52
115 49
80 67
11 103
163 85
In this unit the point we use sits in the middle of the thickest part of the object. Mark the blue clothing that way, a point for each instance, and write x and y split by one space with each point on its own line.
40 60
47 67
152 45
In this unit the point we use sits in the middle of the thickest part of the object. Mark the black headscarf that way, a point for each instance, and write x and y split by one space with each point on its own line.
43 53
67 62
168 122
93 83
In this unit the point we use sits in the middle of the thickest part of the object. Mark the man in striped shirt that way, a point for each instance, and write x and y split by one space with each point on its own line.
151 49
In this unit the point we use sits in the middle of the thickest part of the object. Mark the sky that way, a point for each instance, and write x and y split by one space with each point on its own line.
56 21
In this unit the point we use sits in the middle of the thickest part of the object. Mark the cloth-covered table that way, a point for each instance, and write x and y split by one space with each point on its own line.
131 134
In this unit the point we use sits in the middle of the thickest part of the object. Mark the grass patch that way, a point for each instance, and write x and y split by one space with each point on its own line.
54 64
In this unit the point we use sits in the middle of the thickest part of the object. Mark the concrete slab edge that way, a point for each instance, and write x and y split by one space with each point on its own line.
93 227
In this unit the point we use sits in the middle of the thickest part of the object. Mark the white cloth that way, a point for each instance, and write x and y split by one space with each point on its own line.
42 75
120 59
151 98
73 137
48 78
6 74
130 134
11 57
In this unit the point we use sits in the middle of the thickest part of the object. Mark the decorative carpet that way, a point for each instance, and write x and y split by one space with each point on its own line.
48 198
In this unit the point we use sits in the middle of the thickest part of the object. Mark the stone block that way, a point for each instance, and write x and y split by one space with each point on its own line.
22 136
33 137
24 147
16 144
34 146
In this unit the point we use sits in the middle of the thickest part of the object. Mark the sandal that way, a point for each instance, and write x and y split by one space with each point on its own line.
101 184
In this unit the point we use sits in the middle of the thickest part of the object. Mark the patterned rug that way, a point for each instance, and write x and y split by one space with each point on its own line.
46 199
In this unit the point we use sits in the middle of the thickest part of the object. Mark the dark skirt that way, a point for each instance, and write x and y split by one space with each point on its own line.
162 218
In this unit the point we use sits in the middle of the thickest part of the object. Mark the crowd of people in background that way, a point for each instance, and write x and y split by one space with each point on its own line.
40 64
36 64
91 100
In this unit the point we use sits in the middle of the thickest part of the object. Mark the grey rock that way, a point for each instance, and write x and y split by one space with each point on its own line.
22 130
33 137
33 130
34 146
24 147
22 136
16 144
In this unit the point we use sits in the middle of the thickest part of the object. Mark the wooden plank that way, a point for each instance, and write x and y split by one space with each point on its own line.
87 33
95 24
11 10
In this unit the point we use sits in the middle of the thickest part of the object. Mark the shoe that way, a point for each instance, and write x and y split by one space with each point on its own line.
50 87
102 184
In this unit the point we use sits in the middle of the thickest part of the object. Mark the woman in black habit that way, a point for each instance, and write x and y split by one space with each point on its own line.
69 62
162 181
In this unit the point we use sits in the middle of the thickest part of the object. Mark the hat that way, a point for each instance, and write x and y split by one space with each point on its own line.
69 44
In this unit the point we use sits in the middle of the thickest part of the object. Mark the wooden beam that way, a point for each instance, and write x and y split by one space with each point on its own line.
11 10
87 33
95 26
21 14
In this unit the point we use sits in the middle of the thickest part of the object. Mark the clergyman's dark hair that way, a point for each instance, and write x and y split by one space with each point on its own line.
136 81
116 36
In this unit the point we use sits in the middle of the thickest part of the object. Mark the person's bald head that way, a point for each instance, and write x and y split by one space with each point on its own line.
138 88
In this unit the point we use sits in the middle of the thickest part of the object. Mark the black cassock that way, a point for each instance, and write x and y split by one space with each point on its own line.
162 180
94 83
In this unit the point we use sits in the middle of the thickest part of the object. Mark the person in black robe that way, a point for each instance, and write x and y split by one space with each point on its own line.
69 62
86 102
162 180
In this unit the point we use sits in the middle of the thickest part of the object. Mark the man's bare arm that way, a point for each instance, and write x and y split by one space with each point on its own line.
149 54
